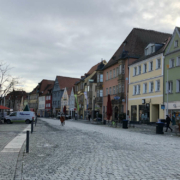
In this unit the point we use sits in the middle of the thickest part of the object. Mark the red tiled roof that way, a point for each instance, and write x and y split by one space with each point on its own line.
93 68
66 81
136 41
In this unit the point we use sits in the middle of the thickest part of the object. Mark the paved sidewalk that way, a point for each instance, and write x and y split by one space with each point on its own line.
8 160
139 128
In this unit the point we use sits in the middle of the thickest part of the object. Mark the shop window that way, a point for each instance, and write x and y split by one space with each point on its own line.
134 113
144 113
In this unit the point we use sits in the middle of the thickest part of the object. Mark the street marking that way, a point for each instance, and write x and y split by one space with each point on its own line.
16 144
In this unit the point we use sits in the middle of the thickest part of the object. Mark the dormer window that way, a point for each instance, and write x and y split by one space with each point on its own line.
146 51
176 43
152 49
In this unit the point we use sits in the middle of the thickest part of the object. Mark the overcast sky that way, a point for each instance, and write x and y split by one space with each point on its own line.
45 38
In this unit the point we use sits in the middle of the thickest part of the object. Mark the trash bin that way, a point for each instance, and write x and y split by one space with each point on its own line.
104 122
159 128
125 124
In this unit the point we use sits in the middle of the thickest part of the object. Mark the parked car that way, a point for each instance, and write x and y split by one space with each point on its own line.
20 116
62 114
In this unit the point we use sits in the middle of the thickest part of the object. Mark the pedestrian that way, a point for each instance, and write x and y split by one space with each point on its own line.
168 120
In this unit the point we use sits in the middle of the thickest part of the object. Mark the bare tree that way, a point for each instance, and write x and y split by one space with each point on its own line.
7 81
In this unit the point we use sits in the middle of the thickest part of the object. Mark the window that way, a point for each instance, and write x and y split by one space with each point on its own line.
146 51
107 76
138 89
135 71
139 69
114 73
97 93
151 86
171 63
158 85
145 88
101 77
169 87
110 90
123 69
114 90
110 75
178 61
151 66
119 88
97 77
101 93
176 43
178 85
152 49
120 67
134 90
158 63
144 68
106 91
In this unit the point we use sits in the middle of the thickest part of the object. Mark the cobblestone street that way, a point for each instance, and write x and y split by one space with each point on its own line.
84 151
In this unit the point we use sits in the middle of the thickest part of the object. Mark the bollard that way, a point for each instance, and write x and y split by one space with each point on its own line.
27 141
31 127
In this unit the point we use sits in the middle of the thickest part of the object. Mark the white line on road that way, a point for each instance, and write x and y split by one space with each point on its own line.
16 144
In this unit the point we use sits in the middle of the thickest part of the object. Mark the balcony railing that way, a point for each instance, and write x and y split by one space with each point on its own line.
99 85
98 100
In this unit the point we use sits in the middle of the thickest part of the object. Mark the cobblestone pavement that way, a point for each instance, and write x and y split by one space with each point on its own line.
79 151
8 160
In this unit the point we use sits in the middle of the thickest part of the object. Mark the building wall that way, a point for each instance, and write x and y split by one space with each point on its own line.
155 98
48 102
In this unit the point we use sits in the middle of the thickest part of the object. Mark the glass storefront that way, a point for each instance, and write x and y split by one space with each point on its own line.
144 113
133 113
174 114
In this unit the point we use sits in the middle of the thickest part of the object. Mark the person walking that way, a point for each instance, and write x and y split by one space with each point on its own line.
168 120
89 116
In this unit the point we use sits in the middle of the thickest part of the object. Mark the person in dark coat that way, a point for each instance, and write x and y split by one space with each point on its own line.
89 116
168 120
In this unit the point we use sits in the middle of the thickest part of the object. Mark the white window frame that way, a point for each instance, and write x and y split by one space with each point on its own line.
135 71
100 77
107 76
150 86
169 86
178 61
157 88
151 66
171 64
139 69
176 43
144 68
177 85
134 90
158 62
101 93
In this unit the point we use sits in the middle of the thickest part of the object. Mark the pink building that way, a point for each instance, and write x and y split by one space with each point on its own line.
116 71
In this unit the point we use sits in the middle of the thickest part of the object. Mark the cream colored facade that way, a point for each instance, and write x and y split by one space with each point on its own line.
146 90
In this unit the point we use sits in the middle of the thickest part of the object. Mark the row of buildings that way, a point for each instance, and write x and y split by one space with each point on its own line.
142 78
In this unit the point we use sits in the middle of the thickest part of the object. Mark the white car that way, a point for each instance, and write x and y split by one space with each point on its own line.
20 116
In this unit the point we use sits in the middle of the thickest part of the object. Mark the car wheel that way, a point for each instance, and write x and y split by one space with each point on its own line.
27 121
8 121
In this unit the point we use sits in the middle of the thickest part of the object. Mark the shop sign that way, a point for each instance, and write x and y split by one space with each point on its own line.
163 106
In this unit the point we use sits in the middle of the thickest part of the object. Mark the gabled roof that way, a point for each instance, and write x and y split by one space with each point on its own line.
48 88
66 81
93 69
69 89
136 41
178 28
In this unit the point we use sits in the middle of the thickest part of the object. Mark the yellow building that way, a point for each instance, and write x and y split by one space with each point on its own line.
146 85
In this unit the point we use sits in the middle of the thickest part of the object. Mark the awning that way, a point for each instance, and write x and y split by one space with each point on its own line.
3 107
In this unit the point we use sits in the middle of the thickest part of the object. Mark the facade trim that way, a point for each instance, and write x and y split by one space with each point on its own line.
146 79
146 97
